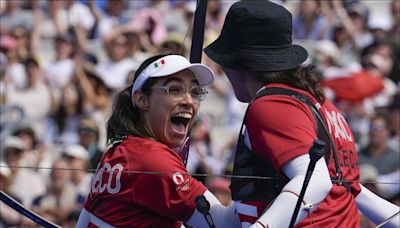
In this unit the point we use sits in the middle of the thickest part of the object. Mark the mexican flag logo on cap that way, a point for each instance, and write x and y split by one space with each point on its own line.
159 63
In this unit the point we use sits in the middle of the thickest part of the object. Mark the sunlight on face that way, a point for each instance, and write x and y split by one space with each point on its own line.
168 119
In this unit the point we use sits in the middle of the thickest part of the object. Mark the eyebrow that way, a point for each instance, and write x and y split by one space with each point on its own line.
176 79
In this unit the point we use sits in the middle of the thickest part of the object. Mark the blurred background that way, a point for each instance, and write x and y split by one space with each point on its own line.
62 62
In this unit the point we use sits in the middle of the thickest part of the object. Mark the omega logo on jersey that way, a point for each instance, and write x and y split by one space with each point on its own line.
99 186
178 178
337 121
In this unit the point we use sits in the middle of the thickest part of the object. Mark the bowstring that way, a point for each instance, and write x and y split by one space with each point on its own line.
189 28
194 174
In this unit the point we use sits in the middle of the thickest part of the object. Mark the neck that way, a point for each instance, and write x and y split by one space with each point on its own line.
253 86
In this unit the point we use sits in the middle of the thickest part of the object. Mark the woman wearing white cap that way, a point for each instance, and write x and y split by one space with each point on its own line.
141 180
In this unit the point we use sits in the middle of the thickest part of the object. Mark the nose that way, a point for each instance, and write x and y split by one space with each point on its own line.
187 99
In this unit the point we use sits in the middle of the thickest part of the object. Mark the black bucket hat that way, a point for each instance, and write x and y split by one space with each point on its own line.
257 36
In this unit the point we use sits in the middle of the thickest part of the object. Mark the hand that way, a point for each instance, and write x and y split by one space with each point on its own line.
337 4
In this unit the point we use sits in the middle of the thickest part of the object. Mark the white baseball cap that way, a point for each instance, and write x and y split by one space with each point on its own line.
76 151
14 142
4 169
172 64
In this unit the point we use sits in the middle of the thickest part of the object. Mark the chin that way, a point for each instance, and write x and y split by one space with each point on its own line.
176 142
243 99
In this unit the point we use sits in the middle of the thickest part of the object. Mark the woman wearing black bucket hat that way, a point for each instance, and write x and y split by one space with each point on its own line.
287 113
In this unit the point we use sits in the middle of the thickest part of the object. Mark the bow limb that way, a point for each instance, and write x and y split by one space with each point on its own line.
26 212
198 31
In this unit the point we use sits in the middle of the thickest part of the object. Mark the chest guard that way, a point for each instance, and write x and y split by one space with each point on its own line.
255 178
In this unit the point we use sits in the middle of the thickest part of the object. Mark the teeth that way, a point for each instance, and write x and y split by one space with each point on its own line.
184 115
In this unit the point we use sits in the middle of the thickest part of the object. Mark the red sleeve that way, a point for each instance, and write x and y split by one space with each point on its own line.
167 189
280 128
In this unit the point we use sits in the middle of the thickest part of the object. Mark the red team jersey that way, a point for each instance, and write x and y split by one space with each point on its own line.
141 183
281 128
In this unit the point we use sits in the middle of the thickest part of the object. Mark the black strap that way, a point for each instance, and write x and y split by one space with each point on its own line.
323 132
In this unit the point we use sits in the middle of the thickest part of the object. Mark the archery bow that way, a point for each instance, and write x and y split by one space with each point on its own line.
195 55
26 212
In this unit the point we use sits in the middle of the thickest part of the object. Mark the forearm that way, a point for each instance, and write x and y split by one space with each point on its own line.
376 208
280 212
222 216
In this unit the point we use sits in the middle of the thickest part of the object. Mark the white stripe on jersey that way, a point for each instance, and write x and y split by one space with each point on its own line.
92 219
246 224
245 209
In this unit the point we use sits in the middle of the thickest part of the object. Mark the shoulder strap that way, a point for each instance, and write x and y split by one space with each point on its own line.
323 132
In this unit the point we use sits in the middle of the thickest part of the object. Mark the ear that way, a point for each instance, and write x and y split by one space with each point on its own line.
141 100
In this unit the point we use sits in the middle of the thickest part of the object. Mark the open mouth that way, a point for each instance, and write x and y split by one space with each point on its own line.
180 122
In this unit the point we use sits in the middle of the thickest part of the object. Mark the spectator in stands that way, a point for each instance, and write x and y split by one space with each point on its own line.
77 158
115 71
14 16
214 16
377 152
110 20
96 95
216 108
35 94
89 138
8 216
201 152
310 23
149 21
326 59
60 71
60 198
79 15
15 69
395 30
377 59
351 34
62 126
22 36
394 39
21 178
37 155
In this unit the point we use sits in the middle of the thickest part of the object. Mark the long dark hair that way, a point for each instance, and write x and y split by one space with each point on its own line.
61 115
125 119
302 77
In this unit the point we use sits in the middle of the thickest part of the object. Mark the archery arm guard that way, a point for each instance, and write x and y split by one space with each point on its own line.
278 214
376 208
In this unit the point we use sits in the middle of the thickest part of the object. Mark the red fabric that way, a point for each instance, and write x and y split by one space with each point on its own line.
356 87
281 128
162 197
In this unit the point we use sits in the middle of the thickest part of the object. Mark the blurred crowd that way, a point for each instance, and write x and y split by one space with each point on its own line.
62 62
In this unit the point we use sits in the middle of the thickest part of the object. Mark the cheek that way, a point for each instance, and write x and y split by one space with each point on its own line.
159 115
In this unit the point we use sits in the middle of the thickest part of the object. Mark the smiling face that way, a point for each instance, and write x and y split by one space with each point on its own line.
169 119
